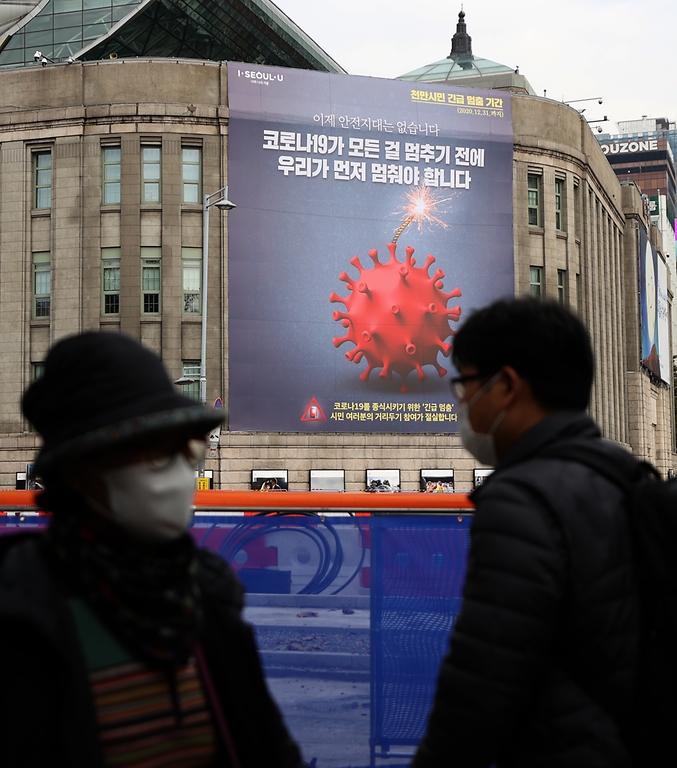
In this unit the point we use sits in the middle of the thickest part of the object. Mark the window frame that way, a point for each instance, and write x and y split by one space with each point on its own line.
38 260
560 204
37 370
191 182
535 285
577 208
151 257
37 186
145 181
112 183
189 257
192 368
536 206
110 255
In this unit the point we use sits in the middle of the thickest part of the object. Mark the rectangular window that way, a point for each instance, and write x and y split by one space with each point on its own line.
577 210
535 282
151 280
110 281
191 370
42 284
534 201
480 476
270 480
192 174
327 479
43 179
559 204
111 175
151 176
192 280
562 286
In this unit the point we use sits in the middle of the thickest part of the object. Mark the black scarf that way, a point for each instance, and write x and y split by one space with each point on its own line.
149 600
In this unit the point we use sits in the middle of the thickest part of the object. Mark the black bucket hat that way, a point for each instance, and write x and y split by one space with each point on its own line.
101 389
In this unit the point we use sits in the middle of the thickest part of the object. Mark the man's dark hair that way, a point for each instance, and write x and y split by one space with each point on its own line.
542 340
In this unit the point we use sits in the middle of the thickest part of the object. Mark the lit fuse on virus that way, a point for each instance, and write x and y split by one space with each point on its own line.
396 313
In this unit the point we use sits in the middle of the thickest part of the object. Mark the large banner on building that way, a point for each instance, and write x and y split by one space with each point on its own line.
654 310
371 216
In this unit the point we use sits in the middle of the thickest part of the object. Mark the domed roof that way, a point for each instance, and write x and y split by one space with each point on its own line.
462 67
451 69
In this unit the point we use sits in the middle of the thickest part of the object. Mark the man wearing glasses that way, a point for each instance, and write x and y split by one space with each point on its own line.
542 661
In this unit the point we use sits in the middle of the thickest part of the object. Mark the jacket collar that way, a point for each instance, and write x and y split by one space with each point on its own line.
559 426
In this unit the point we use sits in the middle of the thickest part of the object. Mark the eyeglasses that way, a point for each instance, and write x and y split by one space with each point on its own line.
457 384
193 450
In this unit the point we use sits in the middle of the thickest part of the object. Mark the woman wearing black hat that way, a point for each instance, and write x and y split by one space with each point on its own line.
122 644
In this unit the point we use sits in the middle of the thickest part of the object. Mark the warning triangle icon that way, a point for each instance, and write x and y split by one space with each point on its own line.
313 412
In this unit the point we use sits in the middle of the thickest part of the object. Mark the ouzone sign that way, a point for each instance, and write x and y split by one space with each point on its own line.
627 147
372 216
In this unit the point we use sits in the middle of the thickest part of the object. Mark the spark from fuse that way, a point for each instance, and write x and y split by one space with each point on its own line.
420 206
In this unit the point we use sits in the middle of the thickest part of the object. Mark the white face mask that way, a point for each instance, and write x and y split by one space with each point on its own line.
151 502
481 446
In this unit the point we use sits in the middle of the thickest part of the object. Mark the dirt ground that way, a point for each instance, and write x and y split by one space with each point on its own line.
329 719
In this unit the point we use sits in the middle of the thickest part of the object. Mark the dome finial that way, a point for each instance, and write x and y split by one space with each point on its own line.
461 42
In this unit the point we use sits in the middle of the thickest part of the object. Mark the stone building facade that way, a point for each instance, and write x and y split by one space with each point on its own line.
588 250
73 129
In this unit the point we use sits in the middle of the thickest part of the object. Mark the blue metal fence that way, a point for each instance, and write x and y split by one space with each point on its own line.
418 567
352 617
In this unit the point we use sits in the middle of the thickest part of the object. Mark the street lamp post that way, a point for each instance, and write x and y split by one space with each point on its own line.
218 199
221 201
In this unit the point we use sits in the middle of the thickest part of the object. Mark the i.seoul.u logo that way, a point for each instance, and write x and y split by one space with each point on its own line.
253 74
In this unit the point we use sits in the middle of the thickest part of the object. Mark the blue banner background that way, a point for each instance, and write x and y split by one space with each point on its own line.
291 237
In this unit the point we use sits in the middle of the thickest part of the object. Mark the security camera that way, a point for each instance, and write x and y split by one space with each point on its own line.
44 61
37 56
70 60
599 129
600 101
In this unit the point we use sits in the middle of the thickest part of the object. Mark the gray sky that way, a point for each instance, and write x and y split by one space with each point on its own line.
622 51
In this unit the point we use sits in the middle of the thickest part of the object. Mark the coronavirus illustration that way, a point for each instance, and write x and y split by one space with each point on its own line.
396 315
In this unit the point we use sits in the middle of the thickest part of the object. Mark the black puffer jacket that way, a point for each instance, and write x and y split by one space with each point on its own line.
543 656
47 714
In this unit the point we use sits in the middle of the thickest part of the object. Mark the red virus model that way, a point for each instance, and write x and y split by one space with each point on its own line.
396 315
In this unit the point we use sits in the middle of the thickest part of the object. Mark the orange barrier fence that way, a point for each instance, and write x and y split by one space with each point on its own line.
17 500
304 501
295 501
